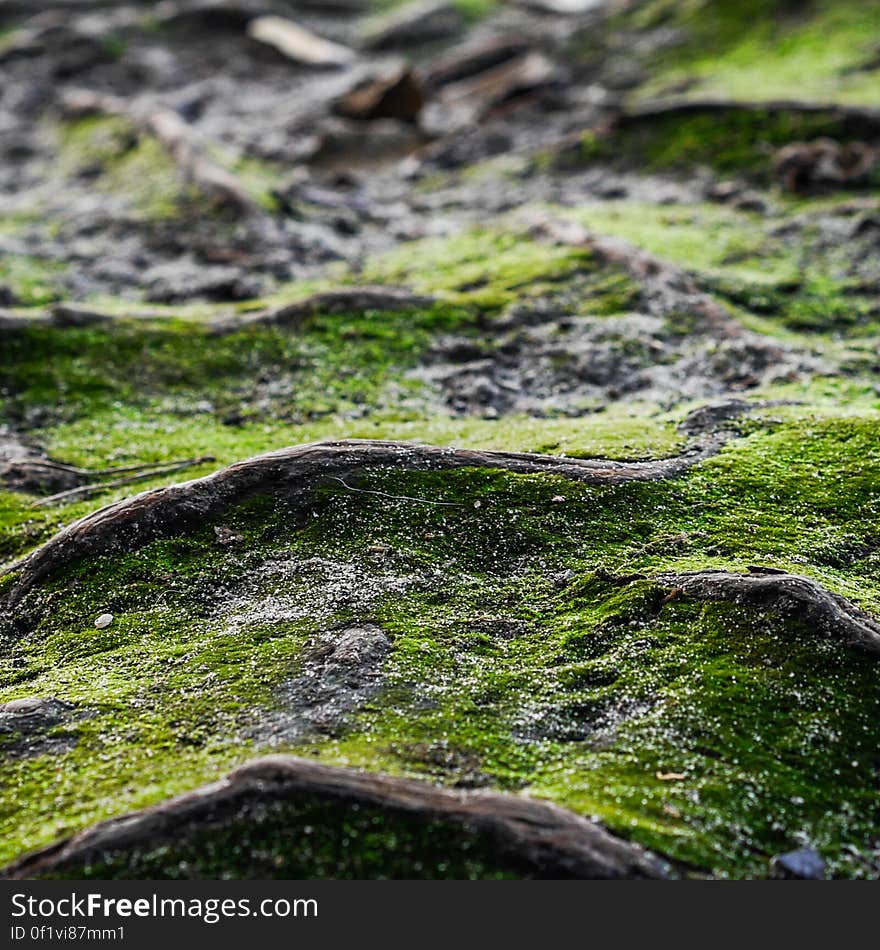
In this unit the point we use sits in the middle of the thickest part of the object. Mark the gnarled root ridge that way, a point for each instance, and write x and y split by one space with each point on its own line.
176 137
857 120
523 835
781 593
294 472
664 285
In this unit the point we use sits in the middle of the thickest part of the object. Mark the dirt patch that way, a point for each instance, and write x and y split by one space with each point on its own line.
542 362
33 726
340 674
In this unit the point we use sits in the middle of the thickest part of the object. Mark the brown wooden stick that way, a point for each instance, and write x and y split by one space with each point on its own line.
175 136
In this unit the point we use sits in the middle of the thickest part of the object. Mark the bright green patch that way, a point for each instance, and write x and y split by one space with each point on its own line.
823 50
33 281
133 167
743 258
486 268
471 10
125 163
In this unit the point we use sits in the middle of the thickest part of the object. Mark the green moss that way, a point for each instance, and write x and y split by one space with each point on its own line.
133 167
734 141
336 364
83 371
745 260
763 49
516 662
700 237
471 10
819 304
160 388
124 163
127 436
33 281
474 10
482 267
597 714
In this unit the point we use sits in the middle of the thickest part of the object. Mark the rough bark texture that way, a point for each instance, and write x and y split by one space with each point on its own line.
542 838
789 595
298 469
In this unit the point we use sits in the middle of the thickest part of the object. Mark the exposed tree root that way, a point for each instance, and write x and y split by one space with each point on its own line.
538 838
175 136
785 594
295 471
357 299
347 299
140 473
59 315
660 280
858 121
25 468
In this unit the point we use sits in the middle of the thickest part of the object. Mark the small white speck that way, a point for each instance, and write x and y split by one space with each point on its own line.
104 621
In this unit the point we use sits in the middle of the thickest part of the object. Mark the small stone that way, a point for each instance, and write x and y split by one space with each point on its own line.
226 536
395 95
562 579
27 706
804 864
104 621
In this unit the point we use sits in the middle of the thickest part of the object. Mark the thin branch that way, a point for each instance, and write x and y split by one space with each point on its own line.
144 472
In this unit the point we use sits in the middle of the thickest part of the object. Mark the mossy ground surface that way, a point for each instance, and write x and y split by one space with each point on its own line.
765 49
730 142
533 648
517 663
